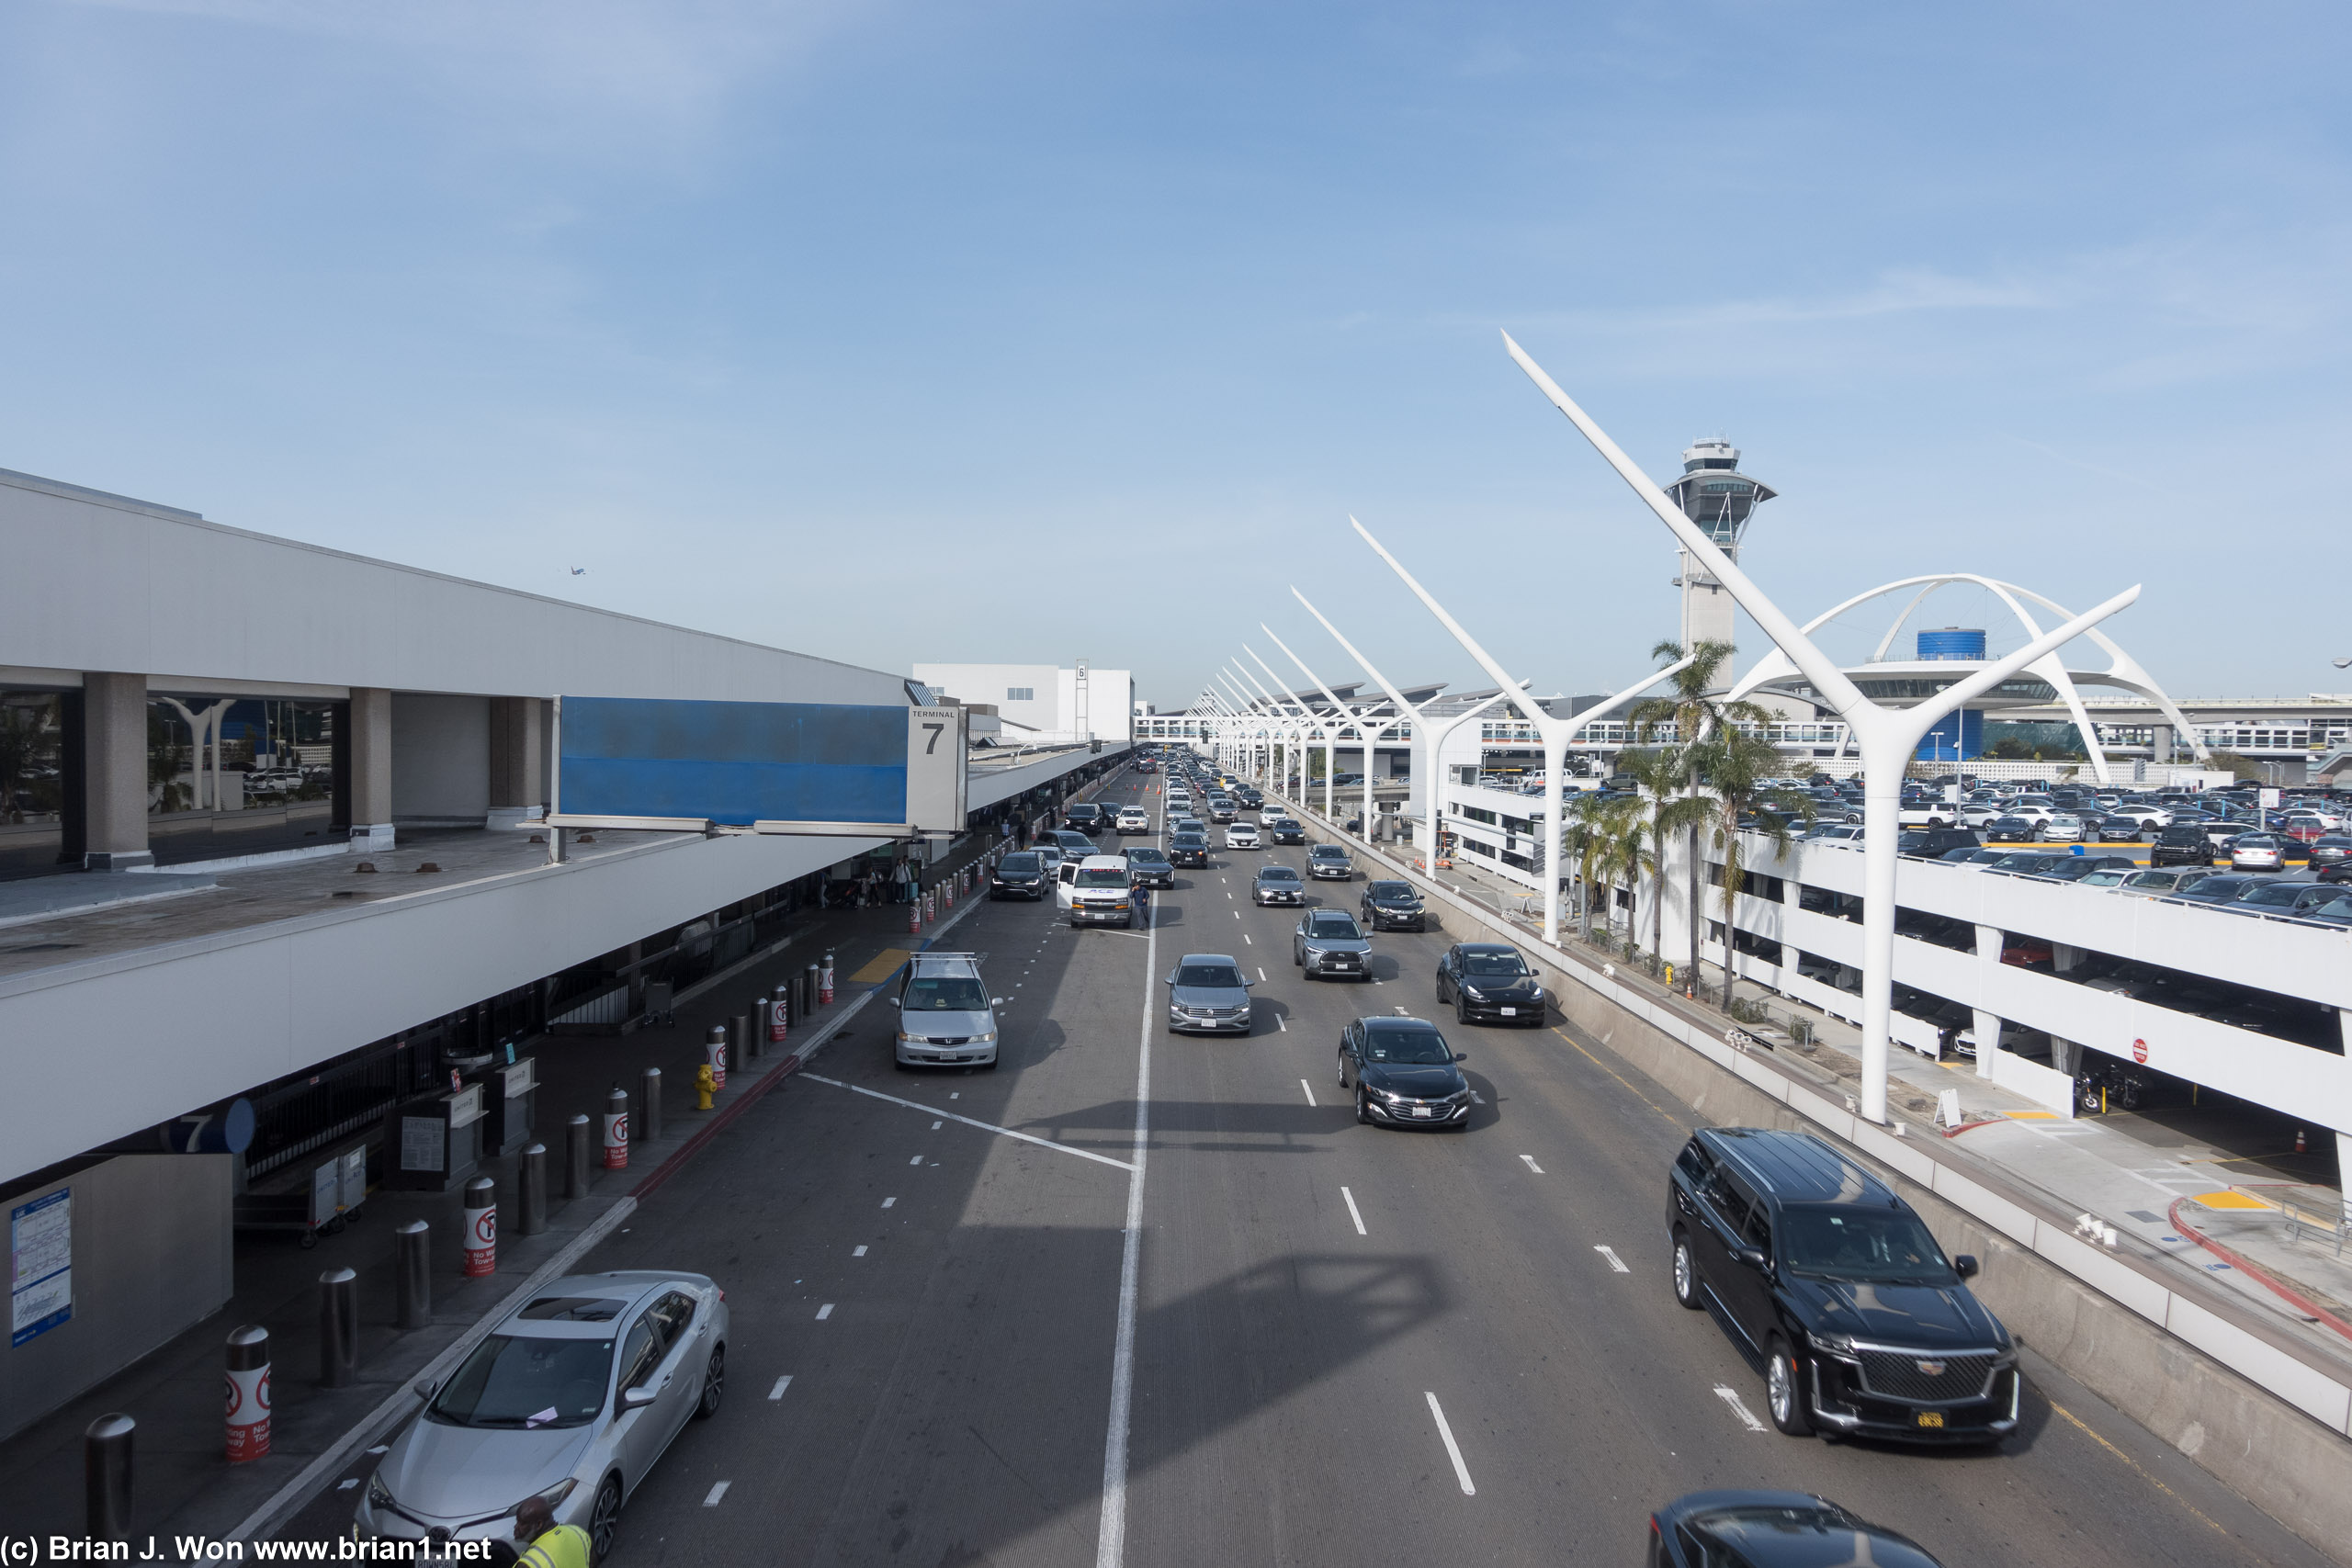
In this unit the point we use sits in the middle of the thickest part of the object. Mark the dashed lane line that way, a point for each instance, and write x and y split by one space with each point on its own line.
1356 1214
1309 1089
1530 1160
1452 1448
824 1312
857 1252
1738 1407
716 1492
781 1384
1615 1262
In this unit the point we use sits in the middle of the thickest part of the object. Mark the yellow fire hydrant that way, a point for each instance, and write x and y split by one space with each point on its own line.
705 1087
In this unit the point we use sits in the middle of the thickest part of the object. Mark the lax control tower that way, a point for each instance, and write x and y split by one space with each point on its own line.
1715 495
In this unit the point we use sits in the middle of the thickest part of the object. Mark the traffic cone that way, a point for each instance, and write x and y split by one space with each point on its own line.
2299 1140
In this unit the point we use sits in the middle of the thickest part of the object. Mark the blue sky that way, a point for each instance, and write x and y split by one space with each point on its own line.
1037 331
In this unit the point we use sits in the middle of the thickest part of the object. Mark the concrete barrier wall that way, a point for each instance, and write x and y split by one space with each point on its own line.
2259 1413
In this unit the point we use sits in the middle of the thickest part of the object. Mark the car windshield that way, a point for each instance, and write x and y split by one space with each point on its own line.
1209 975
1877 1247
1101 876
1145 855
1022 861
946 993
523 1380
1328 851
1331 926
1388 892
1493 964
1278 873
1406 1047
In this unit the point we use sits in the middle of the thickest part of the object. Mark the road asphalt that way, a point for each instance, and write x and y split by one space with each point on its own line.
1345 1344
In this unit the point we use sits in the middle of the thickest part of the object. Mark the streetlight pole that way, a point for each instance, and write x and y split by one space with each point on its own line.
1273 704
1888 736
1328 728
1557 733
1367 730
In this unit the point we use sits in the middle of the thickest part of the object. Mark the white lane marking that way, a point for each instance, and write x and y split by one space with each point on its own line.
887 1202
956 1094
1309 1089
935 1126
781 1384
1280 1025
918 1159
1608 1252
1111 1538
1261 975
348 1484
824 1312
1452 1448
1353 1213
1403 1012
715 1493
381 1448
983 1126
1532 1165
1477 1098
1731 1396
1245 936
860 1252
1237 914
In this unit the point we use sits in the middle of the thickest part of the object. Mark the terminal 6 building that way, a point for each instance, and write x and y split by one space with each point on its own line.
271 852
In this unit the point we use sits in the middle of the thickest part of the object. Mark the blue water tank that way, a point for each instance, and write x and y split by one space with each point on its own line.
1953 642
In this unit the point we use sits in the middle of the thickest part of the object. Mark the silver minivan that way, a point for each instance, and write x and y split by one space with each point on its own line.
946 1018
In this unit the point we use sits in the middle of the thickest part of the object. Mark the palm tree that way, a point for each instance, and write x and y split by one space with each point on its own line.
1666 812
1737 765
1598 829
1697 713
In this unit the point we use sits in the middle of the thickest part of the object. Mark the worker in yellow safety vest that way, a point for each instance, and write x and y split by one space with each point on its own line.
546 1543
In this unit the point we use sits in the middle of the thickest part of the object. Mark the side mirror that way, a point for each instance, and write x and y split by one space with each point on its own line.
996 1001
896 1002
427 1387
1462 1055
638 1398
1749 1258
1965 1266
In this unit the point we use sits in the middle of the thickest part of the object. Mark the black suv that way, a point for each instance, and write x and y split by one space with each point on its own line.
1088 818
1189 850
1934 843
1393 906
2183 843
1829 1283
1020 875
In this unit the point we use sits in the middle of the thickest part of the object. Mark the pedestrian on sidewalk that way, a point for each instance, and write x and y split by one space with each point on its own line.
547 1544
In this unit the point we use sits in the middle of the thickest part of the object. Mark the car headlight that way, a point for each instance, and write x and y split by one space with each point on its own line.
1474 993
1833 1343
379 1495
1535 993
907 1039
987 1039
556 1493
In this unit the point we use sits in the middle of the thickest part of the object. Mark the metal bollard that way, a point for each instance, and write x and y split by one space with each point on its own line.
531 1187
413 1273
248 1438
810 980
649 1105
578 1136
616 1129
825 981
106 1477
772 1021
481 1228
714 1051
739 1036
338 1328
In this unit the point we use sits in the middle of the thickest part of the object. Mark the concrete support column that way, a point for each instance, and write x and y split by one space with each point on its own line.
1988 1025
371 768
518 790
113 772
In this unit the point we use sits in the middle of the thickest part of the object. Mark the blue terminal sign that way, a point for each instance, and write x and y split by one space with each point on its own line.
805 767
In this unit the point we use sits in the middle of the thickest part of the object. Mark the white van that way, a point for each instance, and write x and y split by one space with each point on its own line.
946 1016
1097 890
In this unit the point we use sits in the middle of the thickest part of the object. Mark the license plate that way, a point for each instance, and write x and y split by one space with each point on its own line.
1424 1111
1931 1417
1511 1012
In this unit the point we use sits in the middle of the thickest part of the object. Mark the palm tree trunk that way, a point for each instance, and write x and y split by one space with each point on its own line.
1698 917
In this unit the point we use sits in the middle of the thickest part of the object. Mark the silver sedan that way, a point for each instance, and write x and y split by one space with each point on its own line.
546 1406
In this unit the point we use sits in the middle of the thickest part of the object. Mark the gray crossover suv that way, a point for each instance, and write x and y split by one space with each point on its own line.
1329 945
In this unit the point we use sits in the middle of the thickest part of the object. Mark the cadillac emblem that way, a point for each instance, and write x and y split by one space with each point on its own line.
1932 1369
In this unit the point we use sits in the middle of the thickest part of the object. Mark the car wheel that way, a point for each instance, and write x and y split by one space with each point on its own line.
1686 1274
1784 1390
1362 1115
604 1520
1441 987
1461 1012
714 1383
1343 1070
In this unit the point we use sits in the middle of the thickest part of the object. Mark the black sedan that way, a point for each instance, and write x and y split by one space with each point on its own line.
1286 831
1189 850
1772 1529
1393 906
1020 875
1403 1074
2012 830
1490 980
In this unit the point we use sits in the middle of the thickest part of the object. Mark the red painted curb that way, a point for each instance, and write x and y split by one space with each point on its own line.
709 1130
2280 1287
